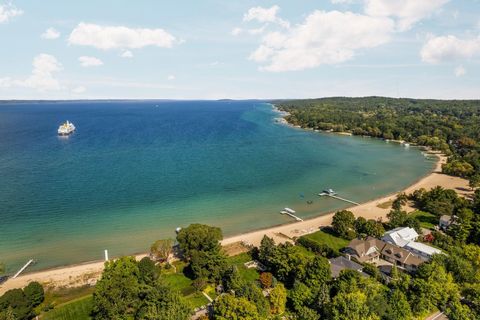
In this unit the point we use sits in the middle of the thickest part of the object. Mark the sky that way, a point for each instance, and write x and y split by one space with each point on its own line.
212 49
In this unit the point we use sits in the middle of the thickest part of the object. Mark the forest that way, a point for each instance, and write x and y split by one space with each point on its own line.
450 126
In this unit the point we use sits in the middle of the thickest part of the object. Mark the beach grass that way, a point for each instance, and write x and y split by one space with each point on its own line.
385 205
427 220
78 309
327 238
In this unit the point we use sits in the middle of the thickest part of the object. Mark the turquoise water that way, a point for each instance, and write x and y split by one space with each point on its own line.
135 170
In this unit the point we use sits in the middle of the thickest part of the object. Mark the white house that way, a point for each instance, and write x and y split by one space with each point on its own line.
400 236
405 237
420 249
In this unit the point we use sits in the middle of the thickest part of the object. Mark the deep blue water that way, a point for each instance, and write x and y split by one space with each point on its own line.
133 171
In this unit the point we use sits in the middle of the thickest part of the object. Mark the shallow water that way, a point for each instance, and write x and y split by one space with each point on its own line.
135 170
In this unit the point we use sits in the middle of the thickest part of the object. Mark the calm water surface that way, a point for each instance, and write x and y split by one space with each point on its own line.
134 171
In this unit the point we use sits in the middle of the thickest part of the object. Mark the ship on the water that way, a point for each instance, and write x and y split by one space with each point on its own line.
66 128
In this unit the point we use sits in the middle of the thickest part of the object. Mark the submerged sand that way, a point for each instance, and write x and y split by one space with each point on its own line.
89 273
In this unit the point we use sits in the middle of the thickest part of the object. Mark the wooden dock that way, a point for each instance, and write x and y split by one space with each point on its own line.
291 215
23 268
338 198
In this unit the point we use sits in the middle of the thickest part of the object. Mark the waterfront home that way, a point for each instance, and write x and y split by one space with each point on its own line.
446 221
341 263
400 257
420 249
368 250
400 236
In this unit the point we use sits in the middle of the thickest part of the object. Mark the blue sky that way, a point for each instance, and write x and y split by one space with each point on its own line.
214 49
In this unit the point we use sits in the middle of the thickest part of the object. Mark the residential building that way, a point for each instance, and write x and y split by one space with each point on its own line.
401 257
424 251
400 236
368 250
341 263
446 221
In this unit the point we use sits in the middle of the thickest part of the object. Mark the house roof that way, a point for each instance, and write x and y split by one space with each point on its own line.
445 218
400 236
362 248
341 263
401 255
421 247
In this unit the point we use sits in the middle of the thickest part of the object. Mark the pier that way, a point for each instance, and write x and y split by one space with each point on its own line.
332 194
290 212
23 268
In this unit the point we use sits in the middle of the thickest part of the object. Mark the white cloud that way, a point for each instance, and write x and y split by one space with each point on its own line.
42 78
236 31
113 37
79 89
126 54
255 31
86 61
342 1
323 38
449 48
50 34
8 11
265 15
460 71
171 77
407 12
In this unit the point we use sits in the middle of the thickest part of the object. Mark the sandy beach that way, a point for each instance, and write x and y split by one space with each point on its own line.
88 273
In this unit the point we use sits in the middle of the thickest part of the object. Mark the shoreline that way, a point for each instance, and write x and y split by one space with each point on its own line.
88 273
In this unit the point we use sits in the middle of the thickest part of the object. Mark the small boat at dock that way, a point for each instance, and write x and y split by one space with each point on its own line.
328 192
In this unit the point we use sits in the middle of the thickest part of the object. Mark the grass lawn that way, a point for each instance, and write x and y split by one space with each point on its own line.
328 239
239 260
78 309
427 220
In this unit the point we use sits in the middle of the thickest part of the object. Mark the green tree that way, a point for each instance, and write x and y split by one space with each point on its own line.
208 264
398 307
277 299
266 251
374 228
343 224
306 313
474 181
350 306
148 271
162 303
458 311
199 237
162 249
18 303
228 307
300 295
34 292
116 293
397 218
317 272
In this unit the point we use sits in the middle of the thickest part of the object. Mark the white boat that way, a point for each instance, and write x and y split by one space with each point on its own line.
66 128
289 210
328 192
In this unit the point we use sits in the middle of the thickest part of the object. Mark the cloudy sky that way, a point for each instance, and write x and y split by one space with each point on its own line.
213 49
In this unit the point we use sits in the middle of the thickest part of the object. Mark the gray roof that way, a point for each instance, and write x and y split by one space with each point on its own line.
341 263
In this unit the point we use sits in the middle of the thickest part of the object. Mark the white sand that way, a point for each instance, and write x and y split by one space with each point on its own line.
88 273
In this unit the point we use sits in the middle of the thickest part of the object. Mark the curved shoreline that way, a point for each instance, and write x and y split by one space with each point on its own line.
89 272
